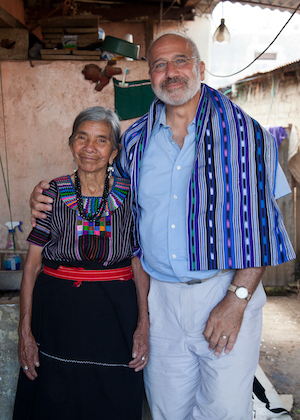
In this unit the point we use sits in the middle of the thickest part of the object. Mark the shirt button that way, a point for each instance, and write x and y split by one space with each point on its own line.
175 197
174 256
173 226
178 167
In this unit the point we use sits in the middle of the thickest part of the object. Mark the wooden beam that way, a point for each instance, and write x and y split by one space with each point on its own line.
70 22
70 57
56 52
139 12
9 21
117 13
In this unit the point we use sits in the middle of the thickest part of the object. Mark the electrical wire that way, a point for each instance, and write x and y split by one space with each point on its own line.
5 180
237 72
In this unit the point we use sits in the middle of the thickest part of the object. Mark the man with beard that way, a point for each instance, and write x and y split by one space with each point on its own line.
203 180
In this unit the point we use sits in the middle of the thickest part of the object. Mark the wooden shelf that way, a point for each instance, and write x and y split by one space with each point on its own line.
65 54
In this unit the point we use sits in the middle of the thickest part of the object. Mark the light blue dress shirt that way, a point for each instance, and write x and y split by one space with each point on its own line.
162 195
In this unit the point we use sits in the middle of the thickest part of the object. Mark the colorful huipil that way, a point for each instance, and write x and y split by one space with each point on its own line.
67 237
233 220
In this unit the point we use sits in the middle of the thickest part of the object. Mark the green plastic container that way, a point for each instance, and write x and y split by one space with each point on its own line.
121 47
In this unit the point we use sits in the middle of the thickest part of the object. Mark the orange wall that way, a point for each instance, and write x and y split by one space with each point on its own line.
41 101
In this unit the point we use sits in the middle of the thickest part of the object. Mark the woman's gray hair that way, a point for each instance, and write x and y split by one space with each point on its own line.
192 44
98 114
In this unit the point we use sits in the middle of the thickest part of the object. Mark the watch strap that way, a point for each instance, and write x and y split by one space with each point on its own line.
233 288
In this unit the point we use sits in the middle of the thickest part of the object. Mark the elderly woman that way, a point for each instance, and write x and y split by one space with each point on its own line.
83 332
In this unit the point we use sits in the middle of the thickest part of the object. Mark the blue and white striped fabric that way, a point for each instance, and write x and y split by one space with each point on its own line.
233 218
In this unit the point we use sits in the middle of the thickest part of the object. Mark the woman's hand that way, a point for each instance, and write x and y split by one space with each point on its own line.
27 349
39 202
140 349
28 354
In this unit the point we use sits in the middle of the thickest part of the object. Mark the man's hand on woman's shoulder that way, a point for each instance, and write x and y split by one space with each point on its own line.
39 203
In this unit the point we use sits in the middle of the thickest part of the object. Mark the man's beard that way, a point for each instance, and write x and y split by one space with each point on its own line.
181 95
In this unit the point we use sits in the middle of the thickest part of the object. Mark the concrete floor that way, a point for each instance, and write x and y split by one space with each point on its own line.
279 359
9 365
280 355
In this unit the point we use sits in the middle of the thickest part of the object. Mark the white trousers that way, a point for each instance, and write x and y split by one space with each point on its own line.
184 380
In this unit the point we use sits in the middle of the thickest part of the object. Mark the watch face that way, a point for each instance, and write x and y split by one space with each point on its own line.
242 292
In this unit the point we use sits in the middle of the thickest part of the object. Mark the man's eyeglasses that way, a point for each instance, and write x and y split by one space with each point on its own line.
179 63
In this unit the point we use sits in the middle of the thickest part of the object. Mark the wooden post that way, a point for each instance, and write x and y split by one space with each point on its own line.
148 33
297 225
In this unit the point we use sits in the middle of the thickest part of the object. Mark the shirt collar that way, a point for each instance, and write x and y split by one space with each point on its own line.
162 122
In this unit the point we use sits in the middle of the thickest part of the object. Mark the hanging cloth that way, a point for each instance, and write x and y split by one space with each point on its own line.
133 99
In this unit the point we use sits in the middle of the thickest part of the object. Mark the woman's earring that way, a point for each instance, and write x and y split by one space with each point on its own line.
110 171
74 165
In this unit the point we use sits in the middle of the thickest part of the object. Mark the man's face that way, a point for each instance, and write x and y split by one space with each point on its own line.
177 81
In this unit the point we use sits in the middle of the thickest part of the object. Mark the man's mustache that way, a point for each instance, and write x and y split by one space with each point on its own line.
170 81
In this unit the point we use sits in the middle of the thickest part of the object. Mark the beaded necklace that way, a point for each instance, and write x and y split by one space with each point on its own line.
91 217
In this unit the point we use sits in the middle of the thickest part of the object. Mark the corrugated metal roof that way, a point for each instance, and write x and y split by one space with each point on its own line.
294 65
285 68
206 6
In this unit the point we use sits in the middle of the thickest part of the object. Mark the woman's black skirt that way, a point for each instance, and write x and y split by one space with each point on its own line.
84 336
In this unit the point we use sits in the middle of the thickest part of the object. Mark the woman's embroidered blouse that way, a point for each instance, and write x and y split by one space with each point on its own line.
65 236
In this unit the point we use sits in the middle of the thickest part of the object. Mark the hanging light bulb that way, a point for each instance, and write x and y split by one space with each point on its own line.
221 34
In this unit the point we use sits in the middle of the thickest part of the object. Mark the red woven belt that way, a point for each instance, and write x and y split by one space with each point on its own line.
79 274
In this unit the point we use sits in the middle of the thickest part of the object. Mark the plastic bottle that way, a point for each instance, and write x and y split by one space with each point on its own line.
12 261
101 34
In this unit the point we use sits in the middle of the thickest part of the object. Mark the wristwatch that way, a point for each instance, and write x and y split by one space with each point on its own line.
240 292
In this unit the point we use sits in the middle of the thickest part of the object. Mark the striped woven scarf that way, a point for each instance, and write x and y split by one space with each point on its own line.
233 220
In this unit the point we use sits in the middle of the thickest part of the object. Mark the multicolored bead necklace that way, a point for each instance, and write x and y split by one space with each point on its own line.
91 217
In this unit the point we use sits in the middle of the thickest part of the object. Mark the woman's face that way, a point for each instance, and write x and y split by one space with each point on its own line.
92 146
